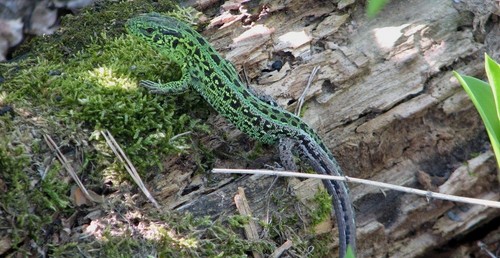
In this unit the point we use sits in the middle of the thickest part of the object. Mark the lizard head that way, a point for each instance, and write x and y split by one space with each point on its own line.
156 28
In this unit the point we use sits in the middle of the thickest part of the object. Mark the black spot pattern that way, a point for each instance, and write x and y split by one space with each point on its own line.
201 40
168 32
216 58
304 127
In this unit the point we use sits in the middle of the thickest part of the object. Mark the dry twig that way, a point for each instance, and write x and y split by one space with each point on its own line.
53 146
279 251
128 165
427 194
302 97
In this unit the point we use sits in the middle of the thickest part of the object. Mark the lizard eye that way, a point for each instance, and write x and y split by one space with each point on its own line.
149 30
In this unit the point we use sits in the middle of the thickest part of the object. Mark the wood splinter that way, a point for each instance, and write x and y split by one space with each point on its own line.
251 229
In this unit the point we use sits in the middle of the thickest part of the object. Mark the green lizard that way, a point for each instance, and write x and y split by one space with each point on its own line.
218 83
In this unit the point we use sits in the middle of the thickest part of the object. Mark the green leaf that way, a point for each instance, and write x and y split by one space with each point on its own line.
374 7
349 252
483 98
493 72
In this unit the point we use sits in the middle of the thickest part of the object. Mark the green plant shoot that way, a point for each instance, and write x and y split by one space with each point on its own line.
374 7
486 99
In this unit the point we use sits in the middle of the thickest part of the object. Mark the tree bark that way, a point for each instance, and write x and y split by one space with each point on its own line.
386 103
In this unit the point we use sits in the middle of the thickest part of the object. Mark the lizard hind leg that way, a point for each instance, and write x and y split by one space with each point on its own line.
285 146
265 98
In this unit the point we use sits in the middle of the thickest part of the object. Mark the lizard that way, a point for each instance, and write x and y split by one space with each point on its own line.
217 81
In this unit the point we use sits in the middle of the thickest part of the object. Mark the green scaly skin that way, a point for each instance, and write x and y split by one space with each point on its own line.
218 83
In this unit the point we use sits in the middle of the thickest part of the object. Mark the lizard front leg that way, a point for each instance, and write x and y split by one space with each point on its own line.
173 87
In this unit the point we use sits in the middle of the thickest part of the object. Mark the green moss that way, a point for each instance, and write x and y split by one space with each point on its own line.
257 151
322 246
190 237
81 30
80 81
324 202
97 90
28 202
70 86
15 185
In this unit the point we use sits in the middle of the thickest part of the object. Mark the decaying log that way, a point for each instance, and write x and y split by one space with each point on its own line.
385 101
